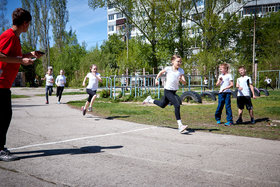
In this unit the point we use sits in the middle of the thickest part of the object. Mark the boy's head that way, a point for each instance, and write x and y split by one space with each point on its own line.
21 16
224 68
242 70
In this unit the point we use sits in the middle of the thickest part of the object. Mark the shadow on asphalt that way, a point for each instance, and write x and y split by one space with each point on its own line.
21 106
191 130
114 117
257 120
53 152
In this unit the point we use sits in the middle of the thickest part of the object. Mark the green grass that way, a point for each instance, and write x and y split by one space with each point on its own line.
199 117
19 96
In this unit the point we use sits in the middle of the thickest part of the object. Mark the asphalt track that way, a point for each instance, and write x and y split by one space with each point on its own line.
60 147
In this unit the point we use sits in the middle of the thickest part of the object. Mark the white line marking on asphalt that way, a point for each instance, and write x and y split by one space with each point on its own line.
82 138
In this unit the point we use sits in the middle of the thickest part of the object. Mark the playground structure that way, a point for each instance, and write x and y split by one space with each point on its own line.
139 85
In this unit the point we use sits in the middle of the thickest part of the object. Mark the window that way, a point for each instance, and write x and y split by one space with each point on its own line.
111 17
119 15
111 28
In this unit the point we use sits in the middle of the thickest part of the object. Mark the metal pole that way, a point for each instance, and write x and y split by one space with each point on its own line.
254 46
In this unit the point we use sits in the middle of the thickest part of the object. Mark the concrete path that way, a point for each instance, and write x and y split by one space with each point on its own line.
60 147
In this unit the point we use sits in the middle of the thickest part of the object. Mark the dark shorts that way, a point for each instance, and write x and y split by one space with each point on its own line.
91 93
244 100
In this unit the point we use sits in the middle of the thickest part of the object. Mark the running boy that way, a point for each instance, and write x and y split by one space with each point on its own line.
60 82
92 86
244 85
226 82
174 74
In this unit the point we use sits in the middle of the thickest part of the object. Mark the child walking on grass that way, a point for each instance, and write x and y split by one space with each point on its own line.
226 82
91 89
174 74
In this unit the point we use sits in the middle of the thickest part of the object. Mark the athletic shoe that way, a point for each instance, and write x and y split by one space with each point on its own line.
147 100
218 122
47 102
58 102
89 109
84 110
5 155
228 124
253 121
182 128
239 121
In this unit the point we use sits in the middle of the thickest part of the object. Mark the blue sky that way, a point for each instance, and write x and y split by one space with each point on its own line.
90 26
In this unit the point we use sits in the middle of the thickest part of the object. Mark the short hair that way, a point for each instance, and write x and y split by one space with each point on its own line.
225 65
175 57
20 16
241 67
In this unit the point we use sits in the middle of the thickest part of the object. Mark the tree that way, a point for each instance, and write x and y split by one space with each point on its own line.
59 20
4 22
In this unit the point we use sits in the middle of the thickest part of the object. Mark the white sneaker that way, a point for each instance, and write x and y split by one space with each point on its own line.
58 102
89 109
182 128
147 100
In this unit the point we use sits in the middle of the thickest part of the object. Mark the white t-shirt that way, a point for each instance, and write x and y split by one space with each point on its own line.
60 80
268 80
172 78
225 82
93 81
205 81
243 82
49 78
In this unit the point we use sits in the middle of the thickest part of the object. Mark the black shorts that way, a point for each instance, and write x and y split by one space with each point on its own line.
244 100
91 93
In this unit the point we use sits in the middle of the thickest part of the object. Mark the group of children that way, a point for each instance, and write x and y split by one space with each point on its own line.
174 75
60 82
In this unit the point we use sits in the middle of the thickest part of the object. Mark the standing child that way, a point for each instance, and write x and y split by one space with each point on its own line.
174 74
49 84
226 82
60 83
244 85
268 83
92 86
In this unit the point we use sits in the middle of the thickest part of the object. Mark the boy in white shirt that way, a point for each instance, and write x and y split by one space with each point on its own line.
226 82
244 85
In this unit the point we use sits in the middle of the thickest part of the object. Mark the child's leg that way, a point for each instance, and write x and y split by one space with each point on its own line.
60 93
92 100
240 112
251 113
228 107
173 98
90 93
163 102
47 96
221 103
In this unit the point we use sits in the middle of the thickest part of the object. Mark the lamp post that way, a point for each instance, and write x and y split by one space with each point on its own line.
254 69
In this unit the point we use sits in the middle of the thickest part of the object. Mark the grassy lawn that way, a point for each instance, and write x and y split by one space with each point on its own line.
197 116
19 96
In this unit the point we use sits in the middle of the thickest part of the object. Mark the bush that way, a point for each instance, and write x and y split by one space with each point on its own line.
105 93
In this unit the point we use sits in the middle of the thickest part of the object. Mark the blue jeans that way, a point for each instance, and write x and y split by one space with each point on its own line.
224 98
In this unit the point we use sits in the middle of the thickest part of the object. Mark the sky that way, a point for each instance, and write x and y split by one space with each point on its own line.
90 26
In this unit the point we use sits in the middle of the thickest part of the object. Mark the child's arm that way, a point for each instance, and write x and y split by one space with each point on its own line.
238 86
219 81
182 79
228 87
98 78
252 90
84 82
159 75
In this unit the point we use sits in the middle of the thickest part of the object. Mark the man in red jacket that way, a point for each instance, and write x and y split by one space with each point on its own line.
11 58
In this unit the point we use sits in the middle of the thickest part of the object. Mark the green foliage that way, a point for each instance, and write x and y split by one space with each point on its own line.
105 93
